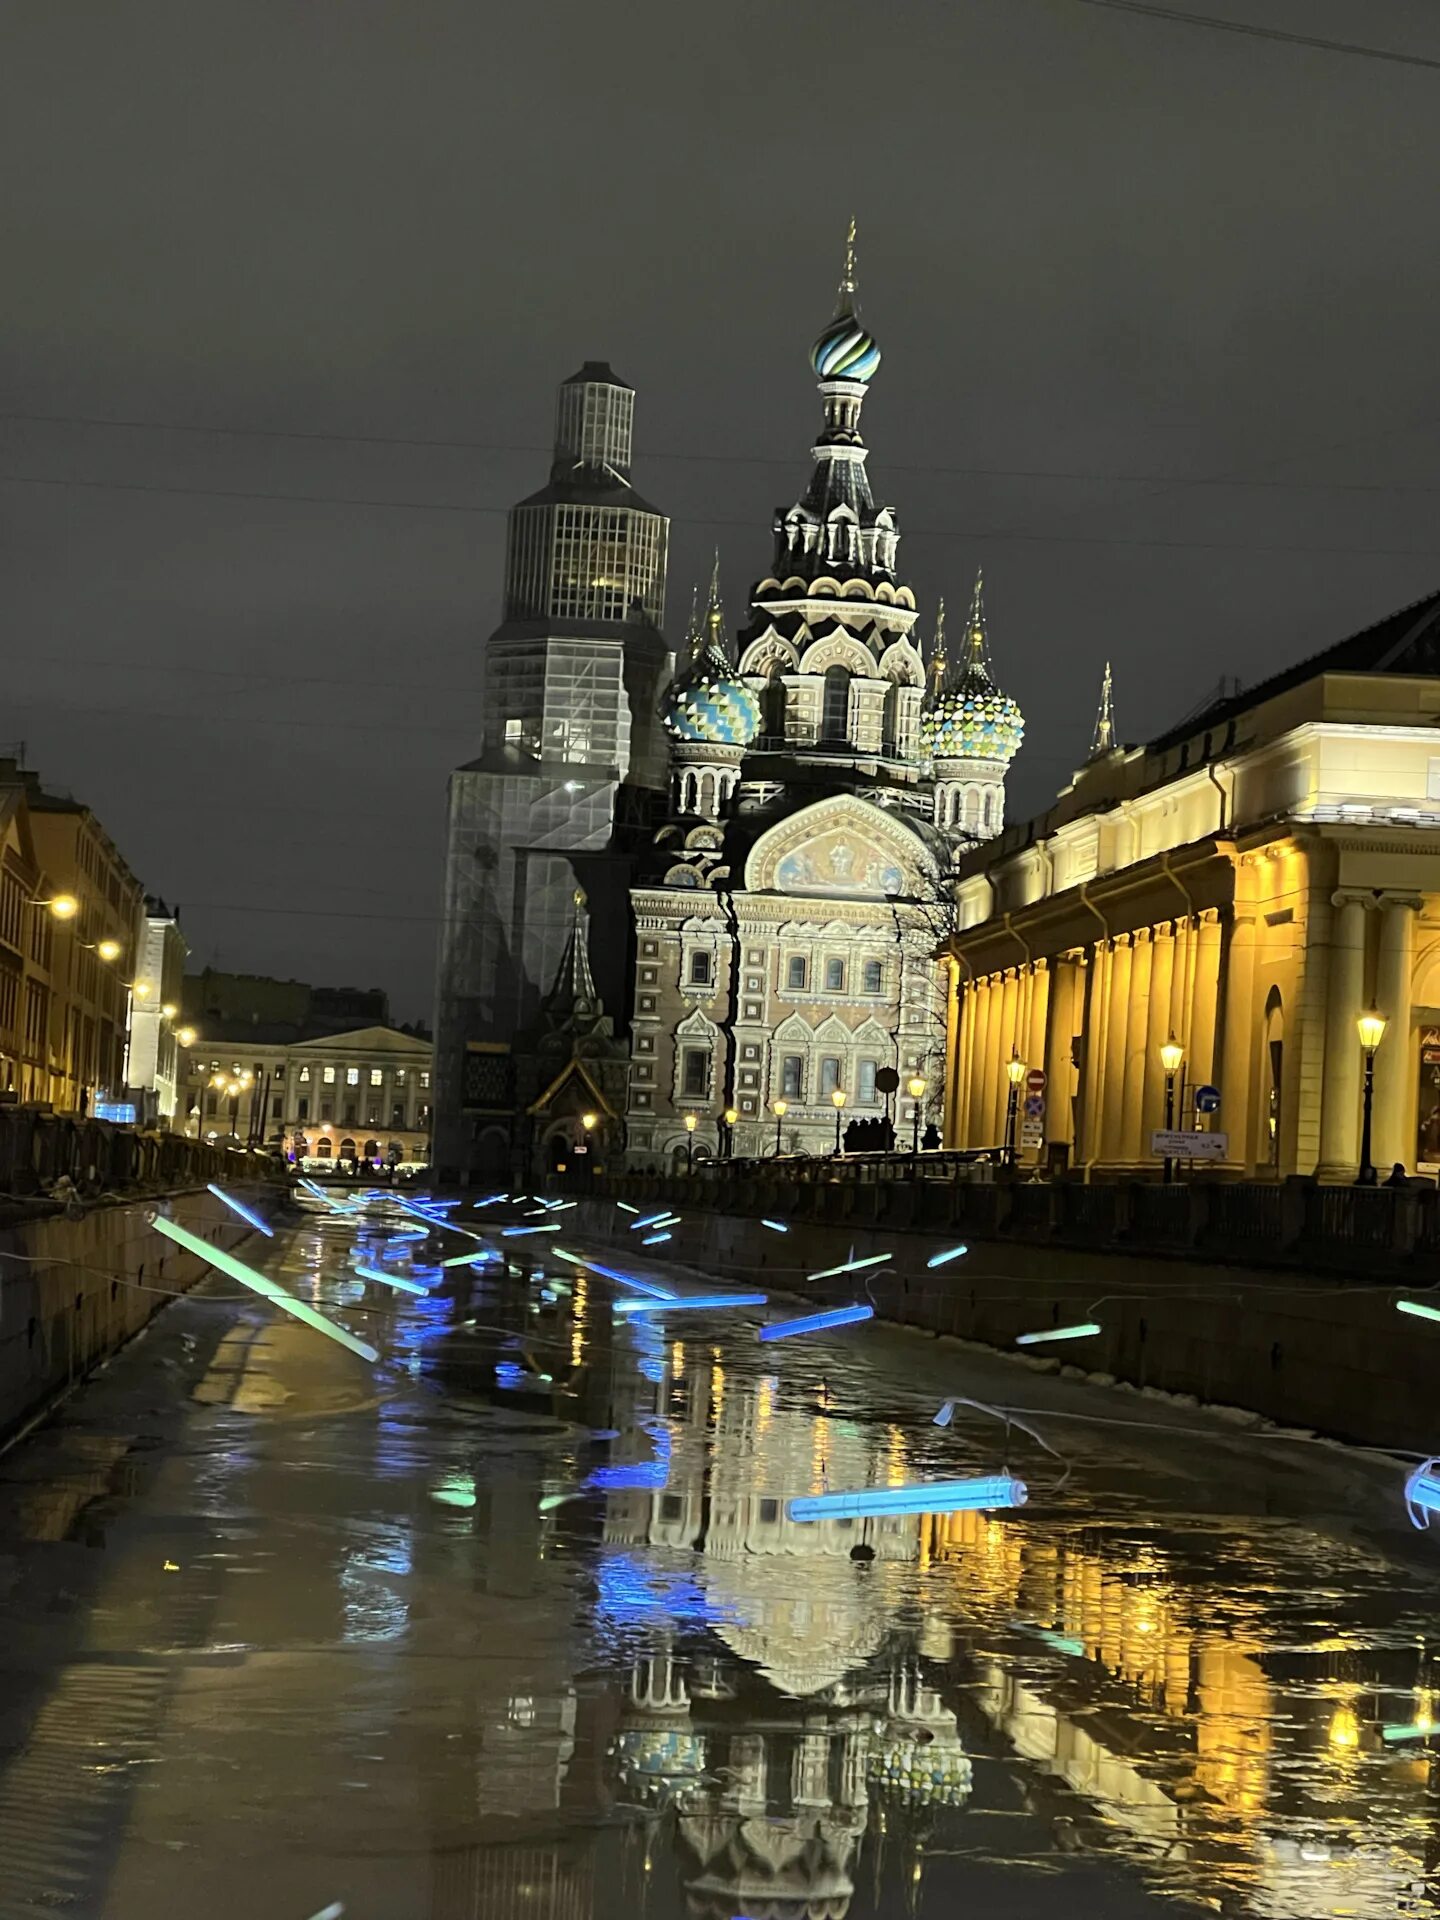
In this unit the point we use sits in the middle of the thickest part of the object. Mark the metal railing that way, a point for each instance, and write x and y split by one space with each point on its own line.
1361 1230
39 1148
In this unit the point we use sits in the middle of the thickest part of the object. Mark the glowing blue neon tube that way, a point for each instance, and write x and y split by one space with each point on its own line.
653 1219
238 1206
693 1300
477 1259
1417 1730
655 1239
851 1266
389 1279
814 1322
1422 1493
927 1496
625 1207
260 1283
651 1287
1420 1312
775 1226
1081 1332
514 1233
950 1253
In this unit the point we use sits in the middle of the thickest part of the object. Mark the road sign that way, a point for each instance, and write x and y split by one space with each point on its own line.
1035 1080
1207 1099
1034 1106
1032 1133
1180 1144
887 1080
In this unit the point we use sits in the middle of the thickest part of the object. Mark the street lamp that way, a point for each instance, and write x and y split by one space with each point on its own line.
186 1036
64 906
234 1085
589 1121
915 1087
690 1125
837 1099
731 1116
779 1109
1014 1073
1371 1028
1171 1055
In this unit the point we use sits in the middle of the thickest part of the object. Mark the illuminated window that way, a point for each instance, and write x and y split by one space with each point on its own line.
376 1076
329 1076
797 972
866 1089
324 1149
872 976
829 1074
399 1076
304 1076
834 976
792 1069
352 1076
424 1079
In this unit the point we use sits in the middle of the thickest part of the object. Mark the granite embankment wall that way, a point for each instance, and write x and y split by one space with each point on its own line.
1304 1347
73 1291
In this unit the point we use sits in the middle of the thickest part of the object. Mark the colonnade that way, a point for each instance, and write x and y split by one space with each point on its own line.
1094 1018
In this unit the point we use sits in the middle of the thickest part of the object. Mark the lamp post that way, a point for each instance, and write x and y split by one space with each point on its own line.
234 1085
1371 1028
779 1109
1014 1073
915 1087
690 1125
731 1117
1171 1055
837 1099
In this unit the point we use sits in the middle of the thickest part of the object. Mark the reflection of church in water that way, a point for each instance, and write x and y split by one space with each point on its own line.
823 778
797 1719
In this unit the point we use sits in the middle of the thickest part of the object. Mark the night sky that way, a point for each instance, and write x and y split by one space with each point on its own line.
288 288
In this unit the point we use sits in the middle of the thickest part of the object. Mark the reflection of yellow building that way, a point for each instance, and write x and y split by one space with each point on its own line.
1250 883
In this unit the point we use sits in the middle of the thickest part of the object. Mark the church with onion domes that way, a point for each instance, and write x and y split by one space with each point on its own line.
823 780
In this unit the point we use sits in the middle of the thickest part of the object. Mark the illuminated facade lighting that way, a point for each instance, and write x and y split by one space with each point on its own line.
260 1283
816 1322
932 1496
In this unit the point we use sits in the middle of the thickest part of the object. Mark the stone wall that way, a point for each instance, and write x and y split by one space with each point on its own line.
73 1291
1299 1348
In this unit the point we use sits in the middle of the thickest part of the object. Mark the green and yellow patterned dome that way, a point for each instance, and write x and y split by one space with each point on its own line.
967 717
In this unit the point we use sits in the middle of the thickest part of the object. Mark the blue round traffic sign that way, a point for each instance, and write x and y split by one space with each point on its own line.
1207 1099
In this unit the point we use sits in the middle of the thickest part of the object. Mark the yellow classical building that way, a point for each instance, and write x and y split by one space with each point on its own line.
1250 884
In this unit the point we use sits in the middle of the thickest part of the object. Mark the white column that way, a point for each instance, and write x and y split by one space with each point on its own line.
1394 1063
1344 1003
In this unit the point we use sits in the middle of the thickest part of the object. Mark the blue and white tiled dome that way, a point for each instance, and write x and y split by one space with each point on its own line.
845 350
710 706
973 721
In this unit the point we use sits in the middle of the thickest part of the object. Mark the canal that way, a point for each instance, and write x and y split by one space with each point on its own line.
514 1623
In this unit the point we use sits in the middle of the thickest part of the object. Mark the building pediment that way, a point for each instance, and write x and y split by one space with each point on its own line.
839 847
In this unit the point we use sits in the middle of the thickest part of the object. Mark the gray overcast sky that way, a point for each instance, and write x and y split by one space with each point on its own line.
1159 300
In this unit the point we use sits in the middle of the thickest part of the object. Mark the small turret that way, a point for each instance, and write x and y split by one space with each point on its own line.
971 732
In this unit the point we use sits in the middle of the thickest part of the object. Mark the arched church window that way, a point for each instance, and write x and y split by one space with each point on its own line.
972 809
835 720
772 704
893 742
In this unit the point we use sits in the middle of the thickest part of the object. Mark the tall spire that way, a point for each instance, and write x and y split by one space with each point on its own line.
1104 740
716 639
939 665
845 301
977 645
573 994
694 636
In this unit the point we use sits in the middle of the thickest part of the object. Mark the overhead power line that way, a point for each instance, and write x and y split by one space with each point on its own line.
970 534
1252 31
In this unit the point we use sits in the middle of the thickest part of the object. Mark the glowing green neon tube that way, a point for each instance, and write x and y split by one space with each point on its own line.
260 1283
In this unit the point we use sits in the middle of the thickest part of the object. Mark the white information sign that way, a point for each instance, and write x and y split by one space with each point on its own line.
1183 1145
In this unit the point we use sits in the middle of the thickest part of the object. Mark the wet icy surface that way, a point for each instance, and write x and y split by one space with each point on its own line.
278 1629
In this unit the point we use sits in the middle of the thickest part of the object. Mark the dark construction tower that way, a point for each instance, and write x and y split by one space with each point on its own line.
571 732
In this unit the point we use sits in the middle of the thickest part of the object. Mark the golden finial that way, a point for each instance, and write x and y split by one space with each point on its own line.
975 631
848 286
579 899
715 580
1104 740
715 613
